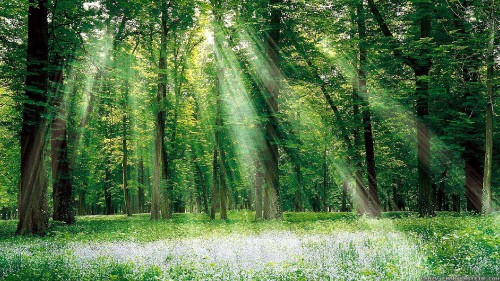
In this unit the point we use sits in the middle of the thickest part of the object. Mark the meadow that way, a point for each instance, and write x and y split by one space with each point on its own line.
301 246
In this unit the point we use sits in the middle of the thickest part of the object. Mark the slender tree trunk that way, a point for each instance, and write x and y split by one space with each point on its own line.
299 205
272 208
159 173
203 186
81 202
490 75
107 187
157 163
473 166
455 203
343 206
367 124
441 193
325 182
362 199
258 190
126 191
162 90
396 196
140 188
215 183
422 67
423 137
32 203
223 187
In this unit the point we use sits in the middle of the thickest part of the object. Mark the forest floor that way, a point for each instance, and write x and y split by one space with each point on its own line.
303 246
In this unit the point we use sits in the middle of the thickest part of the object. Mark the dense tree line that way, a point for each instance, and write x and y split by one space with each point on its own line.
118 106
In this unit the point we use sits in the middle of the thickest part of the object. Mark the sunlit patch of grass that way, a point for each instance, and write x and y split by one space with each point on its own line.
303 246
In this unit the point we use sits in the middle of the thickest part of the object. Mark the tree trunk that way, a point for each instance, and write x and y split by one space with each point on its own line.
441 193
159 164
421 64
423 137
367 124
61 185
325 182
215 183
455 203
490 75
272 208
107 187
362 199
298 205
343 206
162 93
33 190
258 190
472 152
81 202
126 191
140 188
223 187
422 67
203 186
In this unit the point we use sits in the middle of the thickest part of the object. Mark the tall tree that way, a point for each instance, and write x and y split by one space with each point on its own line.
421 62
160 152
490 75
272 208
32 199
366 114
471 95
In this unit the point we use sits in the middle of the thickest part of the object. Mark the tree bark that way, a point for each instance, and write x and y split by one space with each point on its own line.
298 205
258 191
455 203
215 183
62 196
162 92
374 202
325 182
223 186
126 191
441 193
32 201
160 170
345 185
140 188
490 75
107 187
272 208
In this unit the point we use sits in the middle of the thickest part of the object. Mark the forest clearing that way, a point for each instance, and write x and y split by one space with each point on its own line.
303 246
249 140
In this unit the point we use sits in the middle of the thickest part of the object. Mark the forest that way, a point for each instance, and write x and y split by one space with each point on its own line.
249 139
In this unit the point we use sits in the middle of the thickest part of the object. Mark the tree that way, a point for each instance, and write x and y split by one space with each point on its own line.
490 75
367 124
272 209
421 62
160 153
33 217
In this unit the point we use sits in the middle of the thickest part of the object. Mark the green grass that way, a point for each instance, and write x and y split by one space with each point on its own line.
303 246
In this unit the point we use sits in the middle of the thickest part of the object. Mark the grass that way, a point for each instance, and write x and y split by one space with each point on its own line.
303 246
